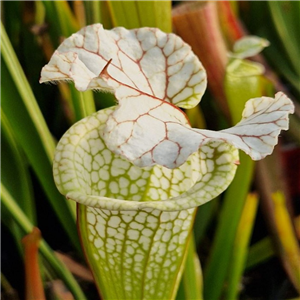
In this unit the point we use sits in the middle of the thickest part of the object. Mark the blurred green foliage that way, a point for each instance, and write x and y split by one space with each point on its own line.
35 116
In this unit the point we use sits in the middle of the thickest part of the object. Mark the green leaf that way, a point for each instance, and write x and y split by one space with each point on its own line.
14 170
192 274
249 46
282 31
18 215
260 252
13 24
25 91
15 176
277 57
98 12
289 246
285 15
239 87
204 216
60 14
93 12
135 14
228 219
240 248
30 129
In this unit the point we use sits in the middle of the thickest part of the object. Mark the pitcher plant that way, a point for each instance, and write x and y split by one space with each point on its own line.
138 170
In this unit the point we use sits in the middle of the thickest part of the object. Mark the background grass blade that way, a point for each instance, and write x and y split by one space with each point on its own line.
134 14
274 201
278 21
14 170
192 281
93 12
204 216
239 87
16 177
240 248
17 214
25 92
228 219
285 16
260 252
289 250
30 129
59 12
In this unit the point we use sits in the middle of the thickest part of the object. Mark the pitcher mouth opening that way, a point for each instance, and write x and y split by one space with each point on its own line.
196 195
89 173
172 204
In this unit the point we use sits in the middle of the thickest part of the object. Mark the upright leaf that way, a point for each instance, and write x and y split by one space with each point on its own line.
289 250
240 248
285 16
21 219
239 85
30 129
134 14
14 169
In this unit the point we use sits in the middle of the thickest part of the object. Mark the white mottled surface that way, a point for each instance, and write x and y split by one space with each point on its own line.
140 252
147 59
148 131
87 172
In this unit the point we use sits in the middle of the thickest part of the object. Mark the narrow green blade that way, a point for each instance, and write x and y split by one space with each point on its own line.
21 219
134 14
285 15
240 248
30 129
260 252
243 81
14 170
65 24
192 275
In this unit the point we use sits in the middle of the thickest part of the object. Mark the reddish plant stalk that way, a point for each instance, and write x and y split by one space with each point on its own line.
198 25
33 281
